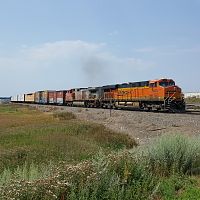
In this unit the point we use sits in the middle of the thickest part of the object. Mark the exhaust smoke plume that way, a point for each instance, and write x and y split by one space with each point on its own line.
95 70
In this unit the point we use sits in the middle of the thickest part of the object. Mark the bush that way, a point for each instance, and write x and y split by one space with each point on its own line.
117 176
135 174
64 115
173 154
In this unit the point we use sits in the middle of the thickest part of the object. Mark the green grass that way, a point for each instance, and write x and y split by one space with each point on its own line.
174 154
56 156
178 187
30 136
116 176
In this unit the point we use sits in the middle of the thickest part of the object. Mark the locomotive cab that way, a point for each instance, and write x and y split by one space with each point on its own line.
171 90
173 97
166 95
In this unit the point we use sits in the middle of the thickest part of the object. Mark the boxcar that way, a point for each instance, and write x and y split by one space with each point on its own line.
21 98
45 97
42 97
38 97
60 97
52 97
30 98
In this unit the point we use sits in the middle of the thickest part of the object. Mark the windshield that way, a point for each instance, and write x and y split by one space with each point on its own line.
166 83
171 83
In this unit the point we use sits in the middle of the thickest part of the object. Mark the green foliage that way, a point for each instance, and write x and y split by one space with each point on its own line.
26 172
117 176
174 154
178 187
45 157
36 137
191 192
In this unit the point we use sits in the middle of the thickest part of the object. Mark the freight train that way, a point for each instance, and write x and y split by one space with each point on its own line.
160 94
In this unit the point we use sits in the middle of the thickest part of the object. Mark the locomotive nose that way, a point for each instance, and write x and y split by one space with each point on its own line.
175 88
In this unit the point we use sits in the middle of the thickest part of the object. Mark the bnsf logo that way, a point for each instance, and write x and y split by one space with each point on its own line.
123 92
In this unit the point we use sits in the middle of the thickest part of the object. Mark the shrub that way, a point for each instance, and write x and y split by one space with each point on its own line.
125 175
64 115
117 176
173 154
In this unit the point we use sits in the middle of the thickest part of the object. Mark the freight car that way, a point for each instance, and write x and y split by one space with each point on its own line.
60 97
161 94
19 98
14 98
30 98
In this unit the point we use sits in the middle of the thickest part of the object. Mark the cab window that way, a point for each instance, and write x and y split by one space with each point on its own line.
171 83
166 83
153 84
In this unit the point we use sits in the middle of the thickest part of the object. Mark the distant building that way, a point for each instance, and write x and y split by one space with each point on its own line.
192 94
5 100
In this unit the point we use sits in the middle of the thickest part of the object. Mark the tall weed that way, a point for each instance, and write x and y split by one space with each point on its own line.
174 154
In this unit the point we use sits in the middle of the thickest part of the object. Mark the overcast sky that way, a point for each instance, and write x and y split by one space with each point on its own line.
61 44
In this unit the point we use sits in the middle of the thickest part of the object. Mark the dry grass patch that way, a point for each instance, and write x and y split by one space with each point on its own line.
64 115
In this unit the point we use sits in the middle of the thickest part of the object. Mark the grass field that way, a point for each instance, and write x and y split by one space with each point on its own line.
30 136
47 155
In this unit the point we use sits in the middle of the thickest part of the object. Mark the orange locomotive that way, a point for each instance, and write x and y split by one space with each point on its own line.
160 94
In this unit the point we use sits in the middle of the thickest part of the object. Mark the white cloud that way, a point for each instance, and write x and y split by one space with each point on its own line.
79 51
68 64
62 49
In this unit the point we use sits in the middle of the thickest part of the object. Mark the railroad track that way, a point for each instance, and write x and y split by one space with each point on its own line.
193 106
190 109
193 109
